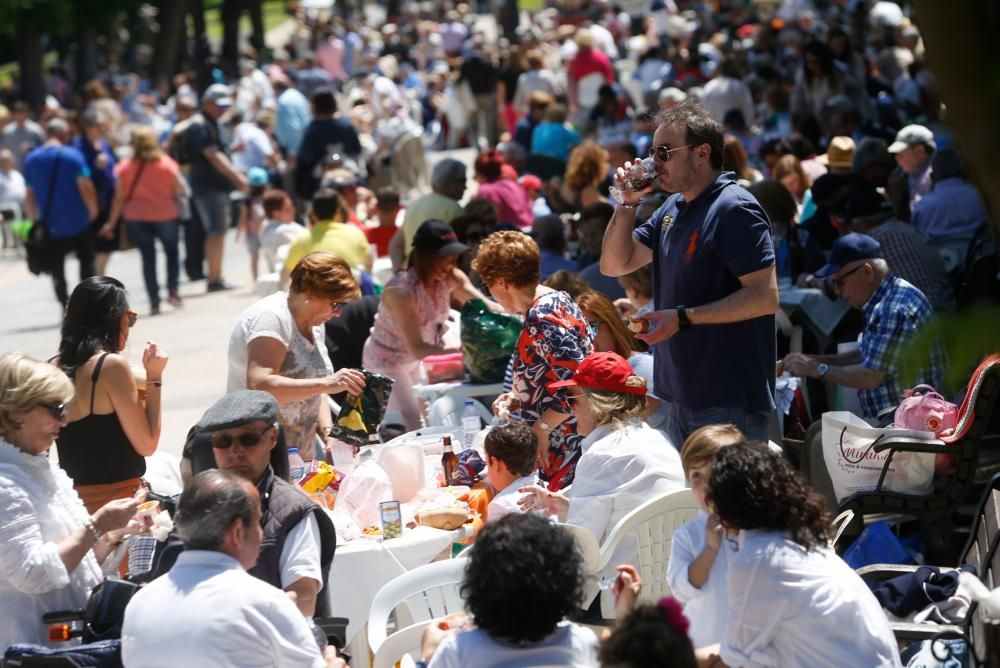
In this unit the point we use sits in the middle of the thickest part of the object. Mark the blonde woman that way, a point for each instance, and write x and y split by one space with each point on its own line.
51 549
625 462
146 193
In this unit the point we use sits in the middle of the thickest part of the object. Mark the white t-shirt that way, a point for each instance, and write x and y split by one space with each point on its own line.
300 555
706 608
208 611
275 238
505 502
256 147
790 607
270 317
569 645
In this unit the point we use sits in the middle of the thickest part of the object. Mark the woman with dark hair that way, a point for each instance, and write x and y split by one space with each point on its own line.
816 81
410 322
793 601
110 430
522 581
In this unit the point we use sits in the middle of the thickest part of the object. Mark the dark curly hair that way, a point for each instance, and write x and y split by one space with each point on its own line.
752 488
524 576
644 639
92 322
515 444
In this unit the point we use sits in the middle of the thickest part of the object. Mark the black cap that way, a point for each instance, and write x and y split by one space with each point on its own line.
239 408
865 204
435 234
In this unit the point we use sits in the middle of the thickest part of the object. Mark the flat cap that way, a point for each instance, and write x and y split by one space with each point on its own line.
239 408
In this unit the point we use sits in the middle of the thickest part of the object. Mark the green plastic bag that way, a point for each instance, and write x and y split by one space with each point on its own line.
488 339
21 228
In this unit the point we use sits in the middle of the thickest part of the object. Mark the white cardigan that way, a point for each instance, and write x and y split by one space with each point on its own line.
38 508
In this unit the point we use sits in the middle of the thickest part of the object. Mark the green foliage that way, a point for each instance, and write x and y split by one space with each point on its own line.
968 336
60 18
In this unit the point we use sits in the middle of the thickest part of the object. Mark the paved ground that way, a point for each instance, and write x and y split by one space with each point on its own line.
195 337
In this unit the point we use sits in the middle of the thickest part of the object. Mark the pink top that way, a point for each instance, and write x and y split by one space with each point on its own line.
388 346
153 197
512 203
588 61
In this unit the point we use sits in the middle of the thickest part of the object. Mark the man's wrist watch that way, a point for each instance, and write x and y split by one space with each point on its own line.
683 322
821 369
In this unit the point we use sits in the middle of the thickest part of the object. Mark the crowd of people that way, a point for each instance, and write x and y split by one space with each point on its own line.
786 146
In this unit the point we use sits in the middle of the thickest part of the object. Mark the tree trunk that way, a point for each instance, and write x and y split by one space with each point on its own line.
256 9
203 58
30 55
960 51
86 54
510 19
167 49
231 10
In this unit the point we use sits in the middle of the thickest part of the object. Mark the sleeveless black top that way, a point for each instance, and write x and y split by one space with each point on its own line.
94 450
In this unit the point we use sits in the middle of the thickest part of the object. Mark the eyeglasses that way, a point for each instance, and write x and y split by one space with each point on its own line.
662 152
573 398
839 282
225 441
132 317
58 411
336 306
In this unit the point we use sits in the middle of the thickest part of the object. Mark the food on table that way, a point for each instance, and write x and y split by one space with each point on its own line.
448 518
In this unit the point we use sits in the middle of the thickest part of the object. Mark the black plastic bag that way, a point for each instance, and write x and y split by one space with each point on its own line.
360 416
488 340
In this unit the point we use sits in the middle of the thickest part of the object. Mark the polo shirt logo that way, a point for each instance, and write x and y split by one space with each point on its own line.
692 245
668 220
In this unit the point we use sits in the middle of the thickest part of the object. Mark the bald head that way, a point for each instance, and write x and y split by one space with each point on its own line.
210 504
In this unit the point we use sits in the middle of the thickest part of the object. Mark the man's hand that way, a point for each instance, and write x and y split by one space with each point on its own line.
505 404
629 197
331 658
800 365
662 325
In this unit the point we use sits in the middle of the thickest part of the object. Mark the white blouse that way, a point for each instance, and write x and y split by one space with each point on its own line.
38 508
792 607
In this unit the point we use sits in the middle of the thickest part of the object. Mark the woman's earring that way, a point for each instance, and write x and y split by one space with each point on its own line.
307 300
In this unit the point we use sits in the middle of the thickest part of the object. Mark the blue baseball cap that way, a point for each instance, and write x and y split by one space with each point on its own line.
849 248
257 177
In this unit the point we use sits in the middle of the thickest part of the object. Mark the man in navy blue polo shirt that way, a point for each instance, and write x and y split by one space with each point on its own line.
714 284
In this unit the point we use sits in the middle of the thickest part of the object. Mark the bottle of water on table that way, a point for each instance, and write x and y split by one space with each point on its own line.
471 424
296 465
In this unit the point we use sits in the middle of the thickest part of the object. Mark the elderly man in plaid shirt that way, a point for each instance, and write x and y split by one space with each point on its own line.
894 311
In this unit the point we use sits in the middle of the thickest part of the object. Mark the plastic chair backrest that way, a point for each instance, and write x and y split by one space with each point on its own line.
653 525
448 411
424 593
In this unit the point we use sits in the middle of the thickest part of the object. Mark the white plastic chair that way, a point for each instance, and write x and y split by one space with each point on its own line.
652 525
447 412
418 596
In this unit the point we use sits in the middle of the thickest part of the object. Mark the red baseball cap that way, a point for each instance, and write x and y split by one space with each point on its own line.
609 372
530 182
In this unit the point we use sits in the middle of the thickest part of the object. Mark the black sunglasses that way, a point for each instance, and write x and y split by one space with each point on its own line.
58 411
839 282
573 398
663 151
225 441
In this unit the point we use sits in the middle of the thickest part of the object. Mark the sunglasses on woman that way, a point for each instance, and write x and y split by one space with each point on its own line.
663 151
58 411
247 440
132 317
573 398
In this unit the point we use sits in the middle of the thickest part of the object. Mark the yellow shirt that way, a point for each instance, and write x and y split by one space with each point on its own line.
342 239
431 205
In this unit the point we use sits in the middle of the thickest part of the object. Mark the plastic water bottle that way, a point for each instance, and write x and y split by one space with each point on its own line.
471 424
296 465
